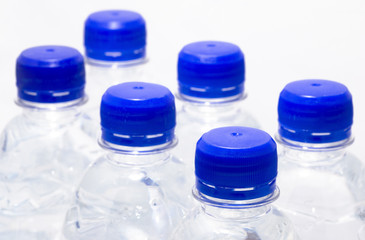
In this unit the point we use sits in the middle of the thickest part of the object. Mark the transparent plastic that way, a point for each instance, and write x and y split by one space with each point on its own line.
43 154
129 193
361 233
100 76
323 189
217 219
198 116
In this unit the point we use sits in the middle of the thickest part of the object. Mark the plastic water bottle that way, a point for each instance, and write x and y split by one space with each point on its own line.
235 170
211 78
361 233
137 189
115 49
323 186
43 151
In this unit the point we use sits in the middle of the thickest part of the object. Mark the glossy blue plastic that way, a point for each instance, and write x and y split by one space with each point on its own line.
115 35
211 69
236 163
50 74
138 114
315 111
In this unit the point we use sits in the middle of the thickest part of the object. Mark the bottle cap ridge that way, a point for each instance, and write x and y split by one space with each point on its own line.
138 114
236 163
115 35
50 74
315 111
211 69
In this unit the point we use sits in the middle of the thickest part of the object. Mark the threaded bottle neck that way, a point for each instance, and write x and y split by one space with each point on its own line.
236 210
52 115
211 109
126 156
313 153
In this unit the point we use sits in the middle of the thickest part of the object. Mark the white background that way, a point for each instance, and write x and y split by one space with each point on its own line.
283 40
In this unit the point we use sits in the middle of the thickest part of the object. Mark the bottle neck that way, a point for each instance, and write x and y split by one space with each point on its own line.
125 156
236 210
211 109
103 74
227 214
51 115
116 64
315 154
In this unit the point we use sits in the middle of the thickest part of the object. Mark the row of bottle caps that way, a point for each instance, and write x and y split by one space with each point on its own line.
232 163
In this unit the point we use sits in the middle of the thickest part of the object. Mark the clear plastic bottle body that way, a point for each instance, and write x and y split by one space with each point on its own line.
197 117
323 189
43 155
129 194
100 76
361 233
228 219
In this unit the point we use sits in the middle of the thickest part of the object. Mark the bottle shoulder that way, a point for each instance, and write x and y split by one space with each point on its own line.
20 130
123 199
324 191
345 166
122 174
190 127
29 151
201 121
102 77
198 225
107 181
33 178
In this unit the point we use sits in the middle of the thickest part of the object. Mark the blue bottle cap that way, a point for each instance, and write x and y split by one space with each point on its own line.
315 111
236 163
138 114
50 74
115 35
211 69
